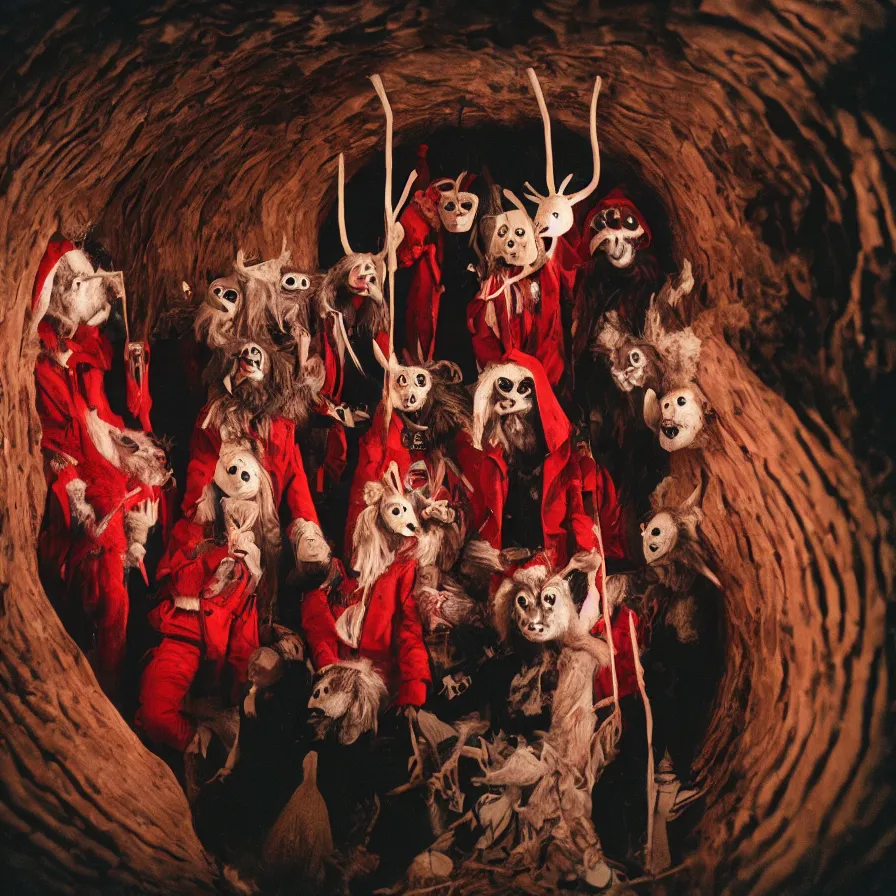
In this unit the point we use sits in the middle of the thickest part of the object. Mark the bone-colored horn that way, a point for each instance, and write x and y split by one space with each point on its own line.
546 121
584 193
377 82
340 187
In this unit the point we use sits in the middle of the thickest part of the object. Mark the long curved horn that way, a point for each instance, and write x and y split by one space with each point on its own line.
340 182
546 121
584 193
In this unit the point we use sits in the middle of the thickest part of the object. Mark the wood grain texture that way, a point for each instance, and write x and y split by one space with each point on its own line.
180 131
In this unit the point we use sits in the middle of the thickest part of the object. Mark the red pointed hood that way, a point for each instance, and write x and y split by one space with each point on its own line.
556 425
46 272
616 198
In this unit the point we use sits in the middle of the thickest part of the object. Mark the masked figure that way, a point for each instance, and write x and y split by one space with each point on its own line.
529 490
218 580
104 481
429 422
434 252
374 616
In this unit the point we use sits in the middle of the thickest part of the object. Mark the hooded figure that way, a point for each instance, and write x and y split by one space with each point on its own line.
544 476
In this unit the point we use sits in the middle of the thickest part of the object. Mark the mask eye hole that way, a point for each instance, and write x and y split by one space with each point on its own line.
401 379
232 470
630 223
521 601
230 295
450 206
526 386
550 599
656 532
245 476
502 230
681 401
555 214
504 385
520 232
466 205
421 379
396 511
217 290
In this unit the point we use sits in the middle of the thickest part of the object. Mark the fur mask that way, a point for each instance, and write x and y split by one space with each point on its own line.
503 404
346 700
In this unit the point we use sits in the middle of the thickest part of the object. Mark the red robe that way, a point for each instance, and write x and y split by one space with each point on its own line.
566 527
375 455
392 636
422 248
626 676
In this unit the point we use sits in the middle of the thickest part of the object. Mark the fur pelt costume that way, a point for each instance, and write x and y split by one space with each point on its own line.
375 616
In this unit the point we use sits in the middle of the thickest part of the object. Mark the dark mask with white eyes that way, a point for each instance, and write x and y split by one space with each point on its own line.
617 232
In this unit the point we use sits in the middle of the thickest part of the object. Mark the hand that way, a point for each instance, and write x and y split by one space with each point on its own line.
220 775
136 553
438 510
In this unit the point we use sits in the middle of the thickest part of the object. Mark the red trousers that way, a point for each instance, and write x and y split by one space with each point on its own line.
168 677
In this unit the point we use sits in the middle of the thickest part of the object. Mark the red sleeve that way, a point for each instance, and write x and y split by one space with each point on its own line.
612 524
382 340
416 234
487 346
581 524
298 494
412 655
201 468
187 565
319 626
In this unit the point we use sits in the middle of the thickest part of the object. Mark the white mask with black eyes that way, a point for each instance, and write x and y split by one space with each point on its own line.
251 363
659 536
292 282
399 516
677 417
223 295
544 616
328 698
617 232
410 388
238 474
630 368
366 277
513 239
514 393
457 208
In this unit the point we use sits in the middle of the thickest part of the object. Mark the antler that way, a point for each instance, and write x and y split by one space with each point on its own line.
586 191
546 121
343 236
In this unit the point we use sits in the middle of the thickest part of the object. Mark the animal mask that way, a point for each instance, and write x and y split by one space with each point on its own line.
678 416
619 231
238 473
659 536
542 609
251 363
457 208
223 295
554 216
513 239
409 387
79 294
346 699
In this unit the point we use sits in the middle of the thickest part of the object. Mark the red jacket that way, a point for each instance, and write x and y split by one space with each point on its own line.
626 676
601 502
375 454
423 249
565 525
392 636
281 458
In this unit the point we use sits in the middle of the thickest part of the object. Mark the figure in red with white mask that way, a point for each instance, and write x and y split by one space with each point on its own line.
529 489
104 480
375 616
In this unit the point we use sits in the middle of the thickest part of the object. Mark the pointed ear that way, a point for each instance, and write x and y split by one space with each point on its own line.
393 479
707 573
482 405
227 384
652 415
565 184
515 200
500 608
380 357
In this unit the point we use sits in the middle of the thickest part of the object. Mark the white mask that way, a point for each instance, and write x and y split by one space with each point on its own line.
677 417
659 536
513 239
366 279
399 516
238 473
457 208
515 390
408 386
251 363
223 295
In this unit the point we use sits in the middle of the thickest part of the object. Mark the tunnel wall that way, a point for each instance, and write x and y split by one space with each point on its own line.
178 134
